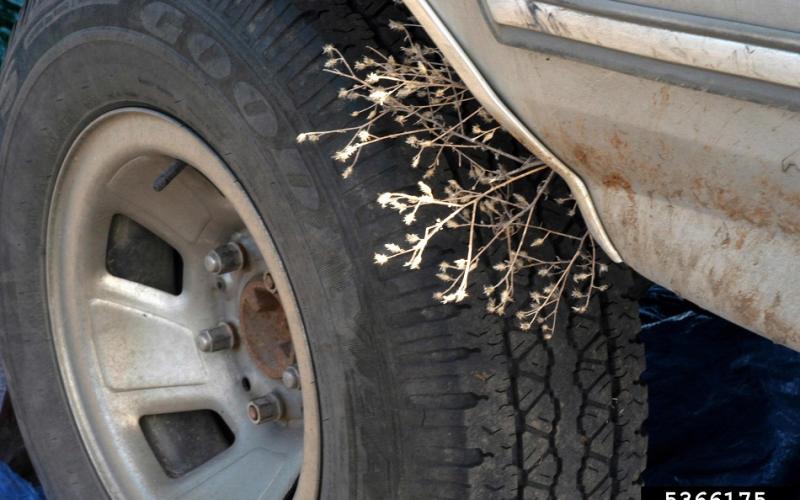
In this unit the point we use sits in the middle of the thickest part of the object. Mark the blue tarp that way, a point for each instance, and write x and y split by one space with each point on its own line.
13 487
724 403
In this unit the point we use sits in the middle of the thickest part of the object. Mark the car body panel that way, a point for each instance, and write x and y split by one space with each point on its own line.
697 189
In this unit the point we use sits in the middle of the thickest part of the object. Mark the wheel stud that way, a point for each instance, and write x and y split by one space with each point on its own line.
291 377
225 259
216 339
267 408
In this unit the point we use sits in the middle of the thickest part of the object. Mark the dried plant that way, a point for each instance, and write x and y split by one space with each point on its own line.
497 194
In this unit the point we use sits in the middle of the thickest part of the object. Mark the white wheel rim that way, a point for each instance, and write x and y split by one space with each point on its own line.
126 350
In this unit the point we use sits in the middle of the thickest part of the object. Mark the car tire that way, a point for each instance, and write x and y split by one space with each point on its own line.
417 399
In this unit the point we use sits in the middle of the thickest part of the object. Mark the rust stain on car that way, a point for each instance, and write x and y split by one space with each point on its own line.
722 282
761 211
729 287
748 309
580 154
774 327
619 167
604 166
740 241
733 206
751 211
617 142
616 181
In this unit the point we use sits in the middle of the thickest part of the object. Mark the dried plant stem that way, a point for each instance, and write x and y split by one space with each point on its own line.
499 203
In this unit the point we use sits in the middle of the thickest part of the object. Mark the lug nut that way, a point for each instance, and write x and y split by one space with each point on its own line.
291 377
269 283
267 408
216 339
225 259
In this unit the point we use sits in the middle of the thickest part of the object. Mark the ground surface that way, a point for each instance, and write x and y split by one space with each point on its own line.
724 403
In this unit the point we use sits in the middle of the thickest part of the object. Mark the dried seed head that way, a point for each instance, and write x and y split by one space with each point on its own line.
344 154
578 277
393 248
384 199
379 96
425 189
414 262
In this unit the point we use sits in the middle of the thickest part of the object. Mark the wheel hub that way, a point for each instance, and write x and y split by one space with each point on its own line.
264 327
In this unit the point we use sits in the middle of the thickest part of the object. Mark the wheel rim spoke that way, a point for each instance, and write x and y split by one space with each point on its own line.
250 471
144 298
134 404
178 213
140 350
